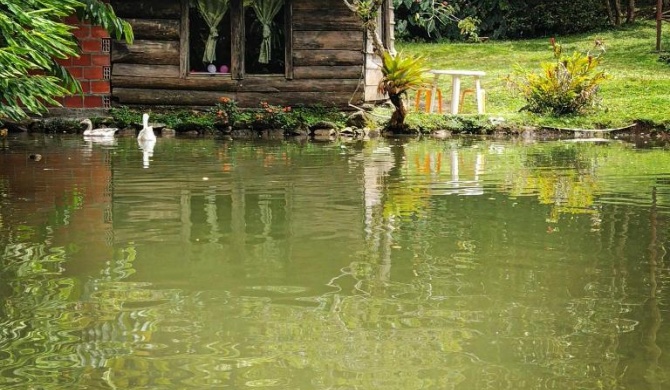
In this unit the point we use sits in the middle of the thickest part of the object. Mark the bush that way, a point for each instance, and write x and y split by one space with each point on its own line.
433 20
569 85
124 116
227 112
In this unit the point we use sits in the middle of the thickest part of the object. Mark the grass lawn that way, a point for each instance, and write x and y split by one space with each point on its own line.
639 88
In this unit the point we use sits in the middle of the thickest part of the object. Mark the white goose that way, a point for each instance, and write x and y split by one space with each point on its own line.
147 132
100 132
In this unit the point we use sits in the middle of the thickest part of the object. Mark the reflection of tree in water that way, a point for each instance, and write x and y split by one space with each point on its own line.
66 331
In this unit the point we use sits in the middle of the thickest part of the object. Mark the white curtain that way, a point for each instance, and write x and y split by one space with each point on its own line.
266 10
212 11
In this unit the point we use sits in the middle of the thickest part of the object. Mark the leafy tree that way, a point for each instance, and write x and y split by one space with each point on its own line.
33 37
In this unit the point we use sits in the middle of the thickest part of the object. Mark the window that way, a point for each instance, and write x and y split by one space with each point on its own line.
209 36
237 37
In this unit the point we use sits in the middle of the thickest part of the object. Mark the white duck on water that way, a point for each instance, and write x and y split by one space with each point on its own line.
147 132
99 132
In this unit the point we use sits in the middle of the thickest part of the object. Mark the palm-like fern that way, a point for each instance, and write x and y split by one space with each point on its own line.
401 73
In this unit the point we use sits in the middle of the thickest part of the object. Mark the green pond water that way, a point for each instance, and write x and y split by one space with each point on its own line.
465 263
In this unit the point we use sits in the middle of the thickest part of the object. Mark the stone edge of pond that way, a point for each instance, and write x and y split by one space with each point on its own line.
633 132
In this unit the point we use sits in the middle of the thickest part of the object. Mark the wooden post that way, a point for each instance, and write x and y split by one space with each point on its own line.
184 48
288 39
237 39
659 20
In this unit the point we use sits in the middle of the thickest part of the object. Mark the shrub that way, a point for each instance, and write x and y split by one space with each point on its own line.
569 85
275 117
664 58
226 111
124 116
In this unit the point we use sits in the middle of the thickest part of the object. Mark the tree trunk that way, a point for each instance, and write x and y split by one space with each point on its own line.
659 21
610 14
397 121
617 12
630 11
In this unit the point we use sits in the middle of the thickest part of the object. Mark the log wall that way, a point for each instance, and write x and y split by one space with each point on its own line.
327 60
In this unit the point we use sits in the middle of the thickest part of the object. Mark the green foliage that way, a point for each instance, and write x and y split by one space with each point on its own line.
402 73
225 114
32 38
102 14
434 20
468 28
179 120
423 18
188 120
664 58
124 116
315 114
226 111
274 117
456 124
522 19
57 126
569 85
367 10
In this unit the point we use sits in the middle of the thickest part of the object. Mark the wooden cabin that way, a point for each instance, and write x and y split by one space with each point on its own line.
297 52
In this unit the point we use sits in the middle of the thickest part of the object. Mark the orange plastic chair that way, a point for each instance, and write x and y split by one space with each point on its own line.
472 91
429 94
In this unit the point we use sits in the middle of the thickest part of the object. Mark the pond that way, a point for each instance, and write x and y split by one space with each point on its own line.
463 263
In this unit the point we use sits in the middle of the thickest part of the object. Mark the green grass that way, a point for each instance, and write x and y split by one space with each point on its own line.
637 91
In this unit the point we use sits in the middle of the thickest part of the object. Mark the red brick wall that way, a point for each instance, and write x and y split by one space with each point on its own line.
92 68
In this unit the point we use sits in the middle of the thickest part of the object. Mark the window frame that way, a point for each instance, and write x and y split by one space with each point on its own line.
237 34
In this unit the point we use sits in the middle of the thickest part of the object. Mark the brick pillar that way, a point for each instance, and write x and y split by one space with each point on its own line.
92 68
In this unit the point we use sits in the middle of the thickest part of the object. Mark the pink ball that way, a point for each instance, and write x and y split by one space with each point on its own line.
223 69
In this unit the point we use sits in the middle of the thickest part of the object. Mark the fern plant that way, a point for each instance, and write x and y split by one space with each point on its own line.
569 85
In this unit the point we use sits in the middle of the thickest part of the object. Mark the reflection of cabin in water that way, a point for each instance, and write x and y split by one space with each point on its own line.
192 52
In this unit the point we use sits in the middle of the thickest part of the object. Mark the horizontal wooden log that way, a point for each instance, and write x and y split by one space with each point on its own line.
156 29
172 71
227 84
146 52
318 6
330 40
139 70
320 16
147 9
325 21
327 57
133 96
327 72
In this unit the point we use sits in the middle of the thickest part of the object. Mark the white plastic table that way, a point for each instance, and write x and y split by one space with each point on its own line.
456 87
